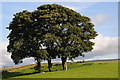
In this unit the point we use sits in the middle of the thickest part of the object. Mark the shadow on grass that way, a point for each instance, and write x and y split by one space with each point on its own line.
14 74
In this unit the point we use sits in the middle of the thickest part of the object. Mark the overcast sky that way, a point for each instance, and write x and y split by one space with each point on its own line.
103 14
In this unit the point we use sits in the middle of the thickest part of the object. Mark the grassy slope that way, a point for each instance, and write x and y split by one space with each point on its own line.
77 70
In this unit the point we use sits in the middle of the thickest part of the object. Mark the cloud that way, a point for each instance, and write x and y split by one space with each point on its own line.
104 45
100 19
6 57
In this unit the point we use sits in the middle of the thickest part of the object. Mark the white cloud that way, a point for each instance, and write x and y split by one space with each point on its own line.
103 42
104 45
100 19
6 57
3 45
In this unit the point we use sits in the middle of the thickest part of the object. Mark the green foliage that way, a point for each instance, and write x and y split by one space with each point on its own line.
66 32
60 30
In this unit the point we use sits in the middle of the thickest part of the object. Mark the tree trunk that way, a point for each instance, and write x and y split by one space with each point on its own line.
64 63
38 67
49 65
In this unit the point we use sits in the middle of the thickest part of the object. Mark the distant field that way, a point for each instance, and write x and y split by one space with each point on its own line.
98 69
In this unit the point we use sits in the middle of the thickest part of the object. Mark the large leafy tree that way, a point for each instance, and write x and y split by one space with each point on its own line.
23 41
62 32
67 33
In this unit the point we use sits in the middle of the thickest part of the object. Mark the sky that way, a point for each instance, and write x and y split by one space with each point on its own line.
104 15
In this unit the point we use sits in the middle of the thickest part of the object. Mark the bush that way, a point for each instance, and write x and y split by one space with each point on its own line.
4 72
80 62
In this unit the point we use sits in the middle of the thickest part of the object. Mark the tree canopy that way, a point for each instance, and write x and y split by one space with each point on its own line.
50 31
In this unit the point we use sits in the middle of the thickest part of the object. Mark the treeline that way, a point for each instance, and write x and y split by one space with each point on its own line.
49 32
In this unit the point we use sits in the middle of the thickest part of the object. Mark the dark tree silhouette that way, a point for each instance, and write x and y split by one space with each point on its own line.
62 32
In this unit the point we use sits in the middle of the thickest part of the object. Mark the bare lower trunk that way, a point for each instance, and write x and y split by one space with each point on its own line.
49 65
64 63
38 66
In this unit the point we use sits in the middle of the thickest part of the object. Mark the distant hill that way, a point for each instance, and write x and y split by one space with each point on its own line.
104 60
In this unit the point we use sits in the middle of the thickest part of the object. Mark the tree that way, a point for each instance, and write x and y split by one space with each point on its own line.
47 39
68 32
23 41
62 32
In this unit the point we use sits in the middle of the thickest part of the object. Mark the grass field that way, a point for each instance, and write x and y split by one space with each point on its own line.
106 69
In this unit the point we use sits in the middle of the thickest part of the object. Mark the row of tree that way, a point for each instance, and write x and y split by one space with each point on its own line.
49 32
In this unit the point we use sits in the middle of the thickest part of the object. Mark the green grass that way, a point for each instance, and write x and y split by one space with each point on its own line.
76 70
